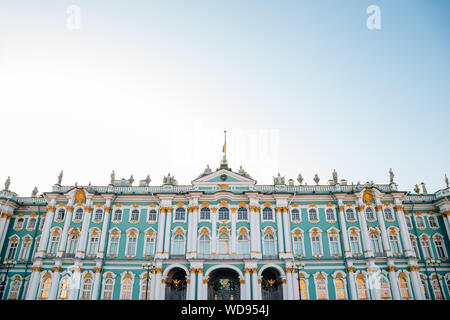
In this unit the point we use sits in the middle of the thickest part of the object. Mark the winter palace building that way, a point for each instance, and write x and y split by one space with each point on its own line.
225 237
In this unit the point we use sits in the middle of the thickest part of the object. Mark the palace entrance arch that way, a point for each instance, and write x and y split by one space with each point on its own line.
271 285
224 284
176 284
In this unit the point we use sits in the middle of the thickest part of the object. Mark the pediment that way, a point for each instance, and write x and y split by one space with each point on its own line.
223 176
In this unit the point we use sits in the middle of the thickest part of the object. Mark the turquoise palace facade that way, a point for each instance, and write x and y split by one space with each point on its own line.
223 237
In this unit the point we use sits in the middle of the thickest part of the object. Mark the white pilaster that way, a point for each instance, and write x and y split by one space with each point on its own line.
404 232
46 229
384 238
368 253
68 219
280 236
105 227
343 226
160 235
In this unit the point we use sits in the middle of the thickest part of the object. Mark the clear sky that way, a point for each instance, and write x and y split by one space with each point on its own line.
148 87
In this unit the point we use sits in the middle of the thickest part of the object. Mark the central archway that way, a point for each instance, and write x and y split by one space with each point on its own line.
176 284
271 285
224 284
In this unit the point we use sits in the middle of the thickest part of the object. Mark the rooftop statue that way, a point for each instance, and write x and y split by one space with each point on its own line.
34 192
170 180
145 182
113 177
131 180
316 179
422 188
335 176
300 179
446 180
60 176
244 173
391 176
207 170
7 183
416 188
278 180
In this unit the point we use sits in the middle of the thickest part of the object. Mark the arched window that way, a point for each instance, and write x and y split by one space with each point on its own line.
60 214
394 242
114 240
297 240
408 222
86 289
127 286
108 287
45 287
64 289
178 245
149 247
321 288
362 287
25 251
388 214
312 214
436 289
54 242
426 247
330 214
19 223
180 214
414 245
204 246
135 215
93 243
117 215
145 287
269 244
420 222
433 222
440 249
152 215
131 244
354 242
205 213
242 213
78 214
31 223
316 244
385 293
340 289
98 215
333 238
375 242
295 215
267 213
73 243
404 290
224 213
224 243
350 214
14 289
303 289
243 243
12 247
369 214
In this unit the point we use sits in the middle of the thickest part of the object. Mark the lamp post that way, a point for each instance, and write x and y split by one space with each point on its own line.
435 263
297 267
8 263
150 267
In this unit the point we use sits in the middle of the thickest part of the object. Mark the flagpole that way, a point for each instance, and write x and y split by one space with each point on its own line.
225 144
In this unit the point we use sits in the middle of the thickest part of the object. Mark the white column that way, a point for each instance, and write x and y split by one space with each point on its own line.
4 224
363 225
242 288
200 284
352 283
152 286
213 230
84 230
34 281
284 287
233 231
404 232
295 288
288 293
343 225
194 214
160 235
167 233
75 282
248 284
393 281
158 284
68 219
97 281
280 232
46 229
189 233
55 281
287 233
192 284
255 285
105 227
253 232
205 289
373 281
162 289
384 237
258 233
416 283
446 223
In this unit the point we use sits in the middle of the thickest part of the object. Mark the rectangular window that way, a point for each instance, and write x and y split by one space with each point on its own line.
114 245
131 250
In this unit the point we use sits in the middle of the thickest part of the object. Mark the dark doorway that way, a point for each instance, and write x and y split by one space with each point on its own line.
271 286
176 284
224 284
